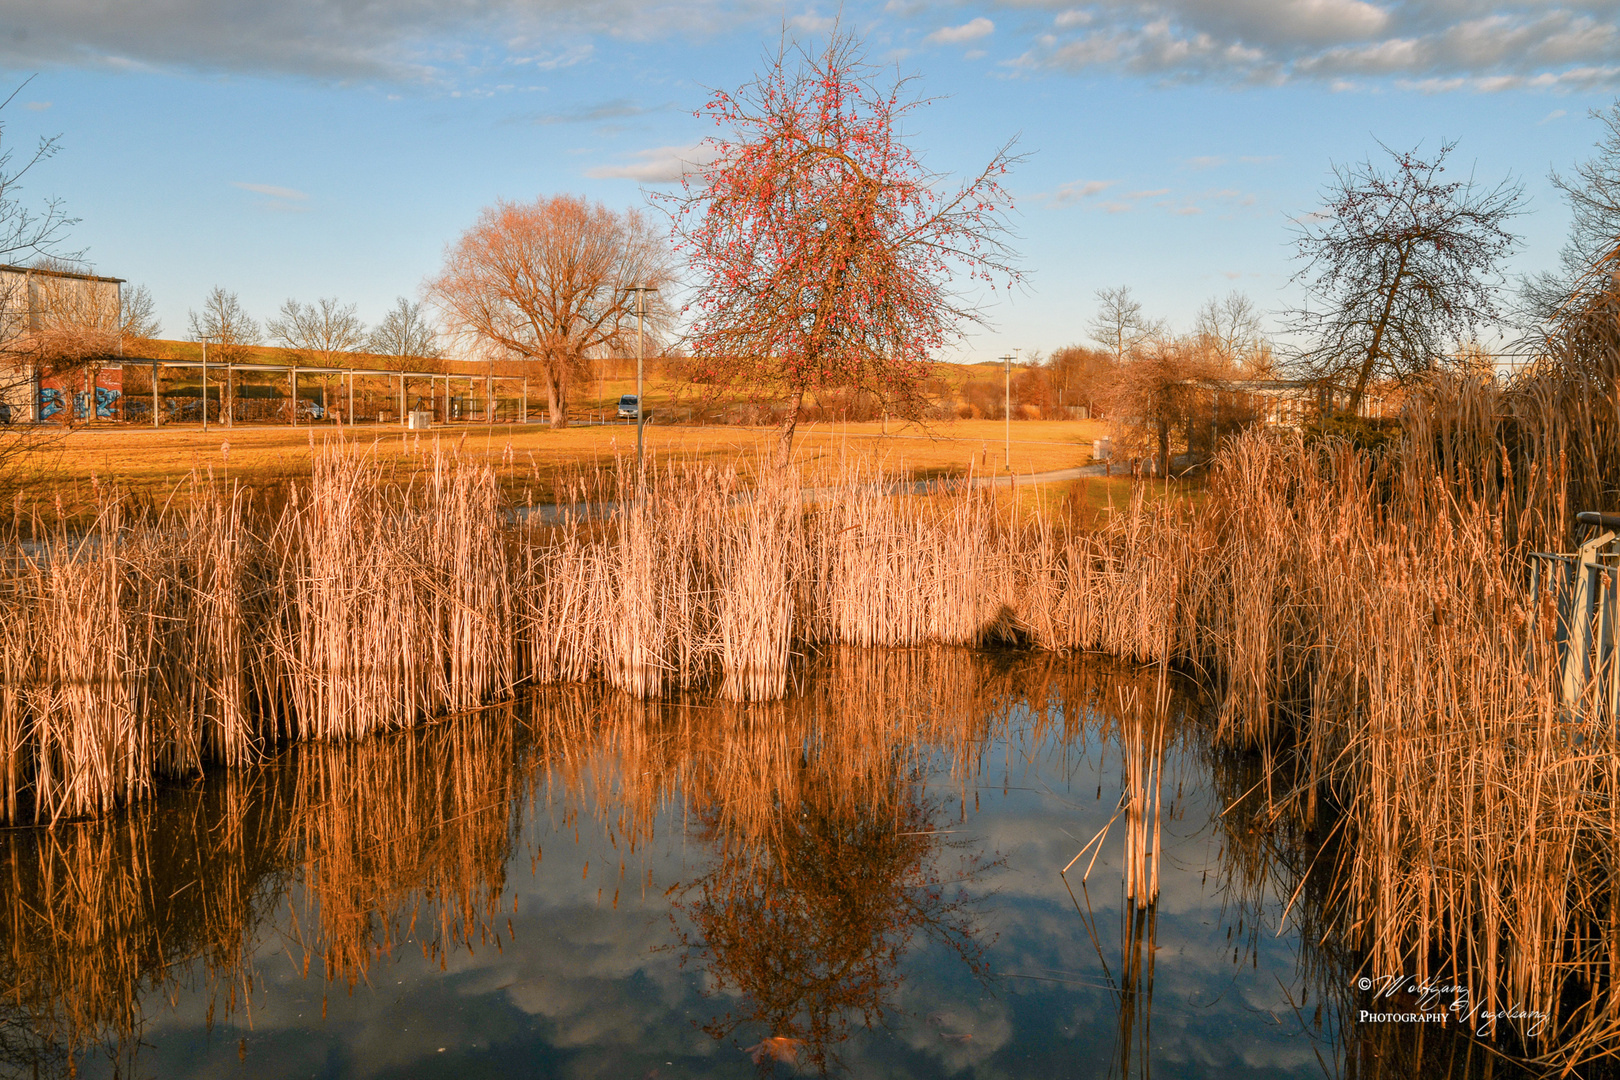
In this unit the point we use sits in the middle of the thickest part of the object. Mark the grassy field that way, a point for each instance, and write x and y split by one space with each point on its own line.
152 463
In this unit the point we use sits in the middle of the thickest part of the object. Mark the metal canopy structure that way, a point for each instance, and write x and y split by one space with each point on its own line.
292 371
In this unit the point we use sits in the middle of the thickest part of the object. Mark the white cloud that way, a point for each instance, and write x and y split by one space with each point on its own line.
1438 46
616 109
272 190
659 165
1208 162
957 35
422 41
1076 191
556 61
36 106
1556 114
1435 46
812 23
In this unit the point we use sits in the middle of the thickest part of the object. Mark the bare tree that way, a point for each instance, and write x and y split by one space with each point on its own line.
228 328
544 284
1593 193
1153 390
1228 329
1400 264
65 316
25 233
1080 374
1120 324
408 338
825 253
324 332
137 318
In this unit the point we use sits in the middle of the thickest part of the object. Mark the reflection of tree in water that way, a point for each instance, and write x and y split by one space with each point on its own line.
811 920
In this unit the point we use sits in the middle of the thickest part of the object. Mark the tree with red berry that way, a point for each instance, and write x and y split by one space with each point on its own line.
826 257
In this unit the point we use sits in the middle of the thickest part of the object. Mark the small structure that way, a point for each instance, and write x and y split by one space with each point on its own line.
58 328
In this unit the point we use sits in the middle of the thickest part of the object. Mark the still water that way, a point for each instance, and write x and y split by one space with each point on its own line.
863 880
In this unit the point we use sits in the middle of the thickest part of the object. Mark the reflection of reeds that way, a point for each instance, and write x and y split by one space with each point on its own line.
402 836
439 839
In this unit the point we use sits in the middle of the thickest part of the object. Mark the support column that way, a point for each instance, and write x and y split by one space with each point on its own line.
348 417
230 396
402 418
523 410
154 395
292 379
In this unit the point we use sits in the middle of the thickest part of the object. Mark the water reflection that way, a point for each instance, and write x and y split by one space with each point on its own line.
405 836
864 874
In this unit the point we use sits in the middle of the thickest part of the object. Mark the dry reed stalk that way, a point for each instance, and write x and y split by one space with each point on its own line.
1371 625
387 603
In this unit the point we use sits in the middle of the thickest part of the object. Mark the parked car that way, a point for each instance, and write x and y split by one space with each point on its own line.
629 407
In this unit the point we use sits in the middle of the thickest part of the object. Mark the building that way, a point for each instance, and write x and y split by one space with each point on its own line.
57 328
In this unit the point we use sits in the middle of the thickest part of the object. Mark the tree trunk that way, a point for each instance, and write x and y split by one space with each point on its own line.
556 401
784 447
1164 448
1378 334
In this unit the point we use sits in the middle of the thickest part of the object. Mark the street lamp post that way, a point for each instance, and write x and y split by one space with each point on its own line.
641 292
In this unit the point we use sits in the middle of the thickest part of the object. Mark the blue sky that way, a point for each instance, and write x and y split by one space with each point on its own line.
333 147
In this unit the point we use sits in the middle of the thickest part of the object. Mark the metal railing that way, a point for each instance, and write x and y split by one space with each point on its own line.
1584 600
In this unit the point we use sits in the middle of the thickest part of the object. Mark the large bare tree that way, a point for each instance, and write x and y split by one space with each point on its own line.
26 233
137 317
1228 329
544 284
1153 390
1549 299
1401 266
1081 375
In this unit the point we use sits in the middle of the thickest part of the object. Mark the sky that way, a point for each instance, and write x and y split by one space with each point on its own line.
313 148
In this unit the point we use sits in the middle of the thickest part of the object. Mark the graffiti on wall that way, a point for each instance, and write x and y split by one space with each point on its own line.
60 393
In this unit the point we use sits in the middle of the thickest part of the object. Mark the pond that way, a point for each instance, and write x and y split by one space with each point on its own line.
865 879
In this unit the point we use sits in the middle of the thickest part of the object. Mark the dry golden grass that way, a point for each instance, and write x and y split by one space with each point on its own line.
151 464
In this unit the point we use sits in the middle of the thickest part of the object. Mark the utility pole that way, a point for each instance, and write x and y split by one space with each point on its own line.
205 383
1006 404
641 292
